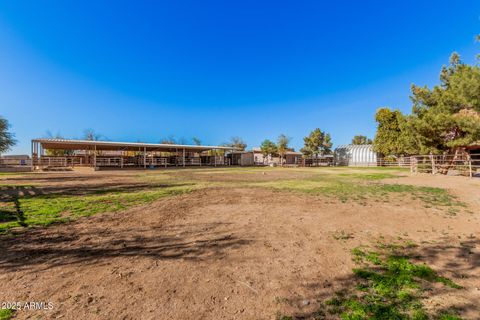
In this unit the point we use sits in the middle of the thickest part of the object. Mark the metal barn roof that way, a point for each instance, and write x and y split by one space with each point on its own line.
67 144
355 146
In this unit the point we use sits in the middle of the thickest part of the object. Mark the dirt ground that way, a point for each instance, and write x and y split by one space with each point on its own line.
227 252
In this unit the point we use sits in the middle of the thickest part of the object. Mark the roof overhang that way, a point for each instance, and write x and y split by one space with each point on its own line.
64 144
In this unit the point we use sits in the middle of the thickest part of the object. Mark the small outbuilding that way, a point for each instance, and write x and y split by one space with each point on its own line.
256 157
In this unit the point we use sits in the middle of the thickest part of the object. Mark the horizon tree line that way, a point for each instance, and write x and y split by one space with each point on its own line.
316 143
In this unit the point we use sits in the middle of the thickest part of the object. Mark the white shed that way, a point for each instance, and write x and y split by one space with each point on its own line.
356 155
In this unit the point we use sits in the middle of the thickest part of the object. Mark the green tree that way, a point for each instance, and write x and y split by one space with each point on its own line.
477 38
359 139
393 133
282 146
448 115
236 142
6 138
196 141
317 143
268 148
443 118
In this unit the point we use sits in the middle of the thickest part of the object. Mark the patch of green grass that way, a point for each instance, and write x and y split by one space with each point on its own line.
389 286
369 176
6 314
47 209
449 316
362 169
12 173
5 186
360 187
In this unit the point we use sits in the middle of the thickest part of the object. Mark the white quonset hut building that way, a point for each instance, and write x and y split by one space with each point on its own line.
356 155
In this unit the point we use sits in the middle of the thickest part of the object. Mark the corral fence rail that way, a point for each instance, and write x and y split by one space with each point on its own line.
401 162
458 164
56 161
315 162
15 162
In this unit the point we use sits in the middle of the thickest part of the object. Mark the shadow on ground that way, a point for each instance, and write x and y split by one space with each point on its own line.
454 261
8 193
42 249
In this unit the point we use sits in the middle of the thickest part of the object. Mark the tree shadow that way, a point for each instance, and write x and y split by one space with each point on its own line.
52 177
7 216
453 261
16 214
40 249
11 192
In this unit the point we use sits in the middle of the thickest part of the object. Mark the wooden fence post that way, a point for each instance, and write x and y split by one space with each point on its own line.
470 166
432 160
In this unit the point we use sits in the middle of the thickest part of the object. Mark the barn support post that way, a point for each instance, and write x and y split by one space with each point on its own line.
36 150
33 160
215 157
95 157
183 157
144 157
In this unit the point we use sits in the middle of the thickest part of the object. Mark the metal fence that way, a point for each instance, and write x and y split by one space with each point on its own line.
315 162
58 162
400 162
15 162
460 164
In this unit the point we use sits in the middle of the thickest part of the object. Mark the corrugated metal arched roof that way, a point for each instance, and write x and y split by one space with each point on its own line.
355 147
350 154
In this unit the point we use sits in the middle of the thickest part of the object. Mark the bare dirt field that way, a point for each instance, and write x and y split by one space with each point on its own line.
228 243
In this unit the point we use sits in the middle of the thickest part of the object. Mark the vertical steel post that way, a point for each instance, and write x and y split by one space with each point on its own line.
183 157
31 152
144 157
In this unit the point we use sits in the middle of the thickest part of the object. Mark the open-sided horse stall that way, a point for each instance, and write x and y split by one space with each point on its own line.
62 153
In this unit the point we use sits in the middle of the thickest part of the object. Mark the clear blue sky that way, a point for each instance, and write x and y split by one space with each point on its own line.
143 70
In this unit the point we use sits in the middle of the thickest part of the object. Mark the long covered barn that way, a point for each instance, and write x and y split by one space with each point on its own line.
55 153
